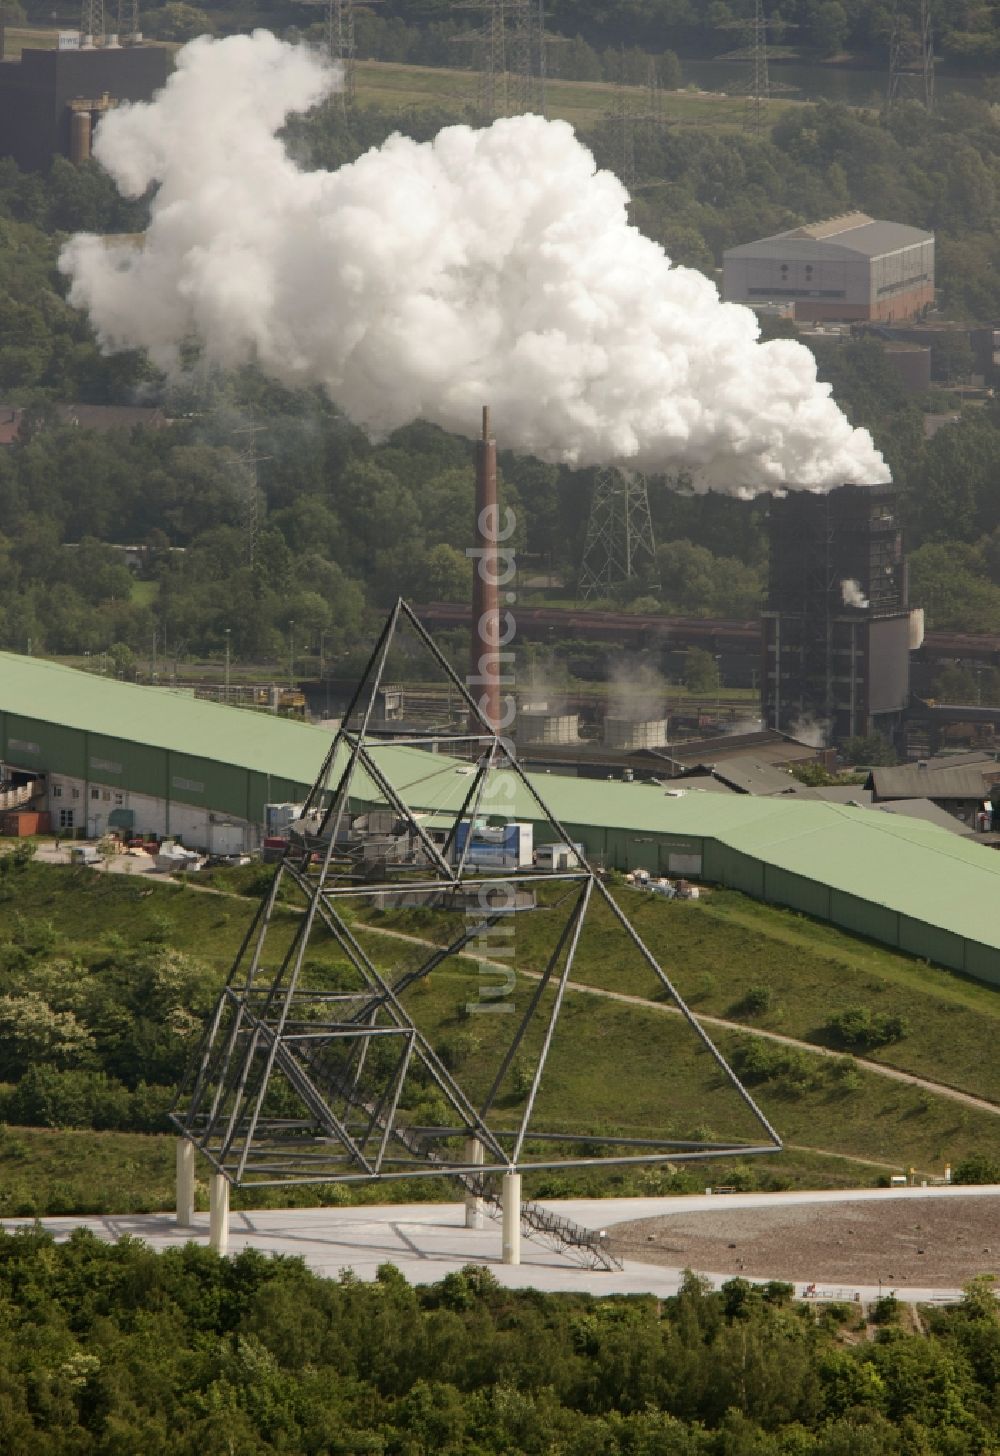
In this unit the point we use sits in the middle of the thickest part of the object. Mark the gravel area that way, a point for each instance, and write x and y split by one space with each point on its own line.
931 1243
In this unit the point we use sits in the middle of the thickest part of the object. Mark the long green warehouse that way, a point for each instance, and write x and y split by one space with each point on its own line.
164 763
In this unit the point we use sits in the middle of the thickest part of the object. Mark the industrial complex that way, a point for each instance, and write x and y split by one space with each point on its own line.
844 268
50 100
99 753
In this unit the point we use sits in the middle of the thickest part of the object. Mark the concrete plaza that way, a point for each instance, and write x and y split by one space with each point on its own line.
426 1241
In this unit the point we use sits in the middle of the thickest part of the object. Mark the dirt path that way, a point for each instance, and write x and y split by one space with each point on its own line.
936 1243
880 1070
939 1089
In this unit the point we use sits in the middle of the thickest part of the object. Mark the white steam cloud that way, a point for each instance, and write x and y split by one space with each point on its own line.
425 279
851 593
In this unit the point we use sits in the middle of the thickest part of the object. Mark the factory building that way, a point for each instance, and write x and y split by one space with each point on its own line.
849 267
837 631
50 100
96 752
147 761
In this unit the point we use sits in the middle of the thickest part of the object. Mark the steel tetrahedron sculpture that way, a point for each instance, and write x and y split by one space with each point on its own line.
452 1040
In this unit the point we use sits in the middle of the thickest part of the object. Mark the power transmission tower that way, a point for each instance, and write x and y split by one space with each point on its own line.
760 85
619 543
911 55
493 98
655 111
520 56
340 46
128 20
512 65
92 21
624 121
757 87
248 487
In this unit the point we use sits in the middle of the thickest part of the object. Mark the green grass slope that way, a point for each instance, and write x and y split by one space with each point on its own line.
614 1067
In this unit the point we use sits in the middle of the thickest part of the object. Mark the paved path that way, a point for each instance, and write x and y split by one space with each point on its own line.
426 1241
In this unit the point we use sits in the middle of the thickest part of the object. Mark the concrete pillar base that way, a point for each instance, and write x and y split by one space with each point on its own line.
512 1218
475 1212
185 1183
218 1213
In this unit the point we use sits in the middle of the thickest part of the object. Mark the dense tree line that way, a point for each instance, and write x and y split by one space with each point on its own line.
115 1349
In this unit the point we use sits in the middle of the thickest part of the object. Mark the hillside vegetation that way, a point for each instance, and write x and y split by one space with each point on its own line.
119 1350
105 981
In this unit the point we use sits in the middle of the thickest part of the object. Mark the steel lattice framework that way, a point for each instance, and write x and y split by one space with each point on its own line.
341 47
306 1076
619 542
92 20
758 86
911 55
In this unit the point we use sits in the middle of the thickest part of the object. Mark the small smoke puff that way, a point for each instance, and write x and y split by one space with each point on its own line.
815 732
426 278
851 593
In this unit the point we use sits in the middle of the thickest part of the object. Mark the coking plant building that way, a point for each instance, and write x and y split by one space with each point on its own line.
846 268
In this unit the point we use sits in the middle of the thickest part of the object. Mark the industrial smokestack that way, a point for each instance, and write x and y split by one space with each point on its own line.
484 658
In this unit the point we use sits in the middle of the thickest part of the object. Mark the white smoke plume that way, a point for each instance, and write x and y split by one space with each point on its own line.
851 593
815 732
635 691
425 279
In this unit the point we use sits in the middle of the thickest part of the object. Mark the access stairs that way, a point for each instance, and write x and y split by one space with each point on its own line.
550 1228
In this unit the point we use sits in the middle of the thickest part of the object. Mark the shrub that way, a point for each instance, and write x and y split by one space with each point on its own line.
858 1027
757 1000
977 1168
46 1097
846 1075
764 1061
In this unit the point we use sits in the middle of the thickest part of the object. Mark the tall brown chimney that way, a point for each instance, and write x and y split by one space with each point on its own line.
484 659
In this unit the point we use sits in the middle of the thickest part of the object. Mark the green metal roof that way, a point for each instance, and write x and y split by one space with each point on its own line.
917 869
33 688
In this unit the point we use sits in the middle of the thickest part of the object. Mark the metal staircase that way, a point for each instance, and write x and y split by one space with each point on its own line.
551 1228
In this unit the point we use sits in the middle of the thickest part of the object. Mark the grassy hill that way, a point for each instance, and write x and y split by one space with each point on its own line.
761 968
398 89
391 87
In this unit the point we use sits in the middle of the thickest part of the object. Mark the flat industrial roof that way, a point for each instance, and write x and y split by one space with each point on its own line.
868 236
918 869
35 688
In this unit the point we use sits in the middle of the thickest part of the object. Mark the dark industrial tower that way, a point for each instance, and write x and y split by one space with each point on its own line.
836 631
